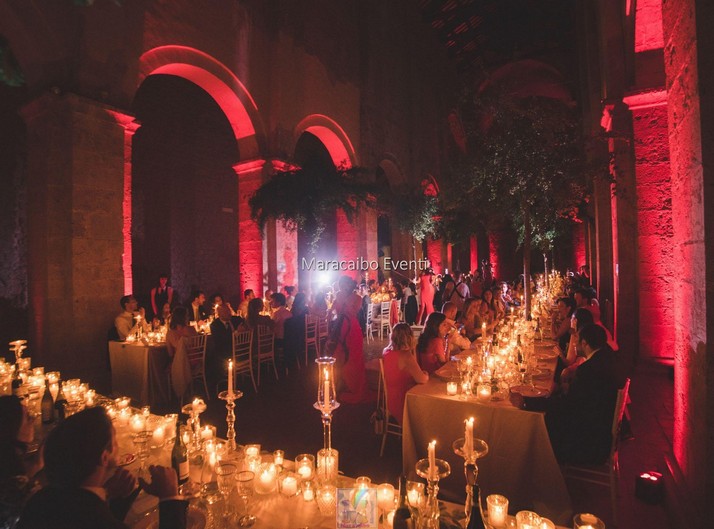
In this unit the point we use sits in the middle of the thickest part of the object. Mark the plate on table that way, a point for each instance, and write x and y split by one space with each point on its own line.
529 391
195 519
125 459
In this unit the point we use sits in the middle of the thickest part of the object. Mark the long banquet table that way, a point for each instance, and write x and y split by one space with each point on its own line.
520 463
139 371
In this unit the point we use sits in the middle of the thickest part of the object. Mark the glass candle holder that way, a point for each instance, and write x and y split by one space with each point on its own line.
327 500
252 450
415 494
288 483
279 457
587 521
385 497
527 520
326 394
497 506
253 463
305 466
208 432
452 388
327 465
308 492
363 482
266 479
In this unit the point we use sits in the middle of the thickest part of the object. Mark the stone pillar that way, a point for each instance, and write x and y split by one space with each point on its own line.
367 228
75 175
433 253
250 240
623 209
654 204
473 253
688 54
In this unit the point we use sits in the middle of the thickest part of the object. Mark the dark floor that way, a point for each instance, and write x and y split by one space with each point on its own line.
281 416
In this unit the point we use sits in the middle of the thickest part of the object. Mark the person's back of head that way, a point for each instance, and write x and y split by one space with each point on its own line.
449 309
255 307
346 284
289 290
124 300
583 317
279 299
179 316
401 338
593 335
248 294
431 330
74 449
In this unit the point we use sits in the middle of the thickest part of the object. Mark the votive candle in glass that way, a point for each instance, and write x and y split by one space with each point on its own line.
137 423
415 494
452 388
497 510
278 457
363 482
327 500
305 466
308 493
266 478
385 497
208 432
252 450
327 465
289 485
587 521
527 520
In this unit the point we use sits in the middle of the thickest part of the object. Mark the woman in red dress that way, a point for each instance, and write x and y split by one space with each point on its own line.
401 370
432 344
349 352
426 295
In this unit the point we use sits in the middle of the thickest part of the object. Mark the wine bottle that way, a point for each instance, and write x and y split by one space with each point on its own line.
402 516
60 402
47 407
179 457
476 516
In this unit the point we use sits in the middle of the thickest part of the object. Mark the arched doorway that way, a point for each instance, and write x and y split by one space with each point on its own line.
184 192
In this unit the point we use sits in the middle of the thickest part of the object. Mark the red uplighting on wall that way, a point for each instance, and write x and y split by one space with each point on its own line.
493 254
648 25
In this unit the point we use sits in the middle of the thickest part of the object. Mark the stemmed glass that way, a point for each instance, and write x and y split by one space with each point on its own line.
141 445
225 473
246 483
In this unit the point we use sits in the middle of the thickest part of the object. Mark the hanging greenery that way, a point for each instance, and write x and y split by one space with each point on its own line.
415 212
303 198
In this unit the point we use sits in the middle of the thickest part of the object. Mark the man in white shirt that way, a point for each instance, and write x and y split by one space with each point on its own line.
280 314
125 322
461 292
242 311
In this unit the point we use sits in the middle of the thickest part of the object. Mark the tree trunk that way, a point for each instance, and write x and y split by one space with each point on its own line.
546 279
527 260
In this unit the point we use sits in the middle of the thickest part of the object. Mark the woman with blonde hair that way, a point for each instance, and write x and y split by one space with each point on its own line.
401 370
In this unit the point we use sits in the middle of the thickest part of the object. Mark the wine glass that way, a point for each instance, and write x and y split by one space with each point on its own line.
225 476
246 482
141 445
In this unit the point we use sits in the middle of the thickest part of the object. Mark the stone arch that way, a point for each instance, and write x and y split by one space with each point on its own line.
528 78
392 170
219 82
332 136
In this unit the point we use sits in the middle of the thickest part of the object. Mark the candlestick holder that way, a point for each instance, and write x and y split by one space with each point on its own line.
429 515
479 450
326 397
230 399
194 410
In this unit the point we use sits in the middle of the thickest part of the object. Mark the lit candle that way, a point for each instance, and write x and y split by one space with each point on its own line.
124 416
89 397
452 388
266 479
137 423
158 436
390 519
196 403
484 391
385 496
305 471
326 389
469 436
206 433
230 378
497 510
432 459
278 457
414 497
307 493
252 450
483 328
289 486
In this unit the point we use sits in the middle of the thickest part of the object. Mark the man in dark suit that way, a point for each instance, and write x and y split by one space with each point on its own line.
221 349
580 421
196 309
85 490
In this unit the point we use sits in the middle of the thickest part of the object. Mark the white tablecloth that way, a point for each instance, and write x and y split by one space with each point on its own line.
138 371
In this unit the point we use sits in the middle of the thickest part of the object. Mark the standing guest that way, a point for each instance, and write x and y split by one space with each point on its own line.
280 315
242 311
17 472
579 423
461 292
294 331
431 345
319 303
178 329
161 294
289 296
410 306
125 322
401 369
221 350
86 490
346 333
426 295
196 310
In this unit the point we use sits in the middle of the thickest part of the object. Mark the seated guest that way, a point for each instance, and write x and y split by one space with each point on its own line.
294 331
457 342
580 421
86 490
178 329
431 346
161 294
221 349
470 318
196 310
130 320
586 298
560 324
242 311
17 473
255 318
267 298
280 314
401 369
289 296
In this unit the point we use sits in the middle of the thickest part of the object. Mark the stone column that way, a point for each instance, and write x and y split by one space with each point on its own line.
76 175
250 240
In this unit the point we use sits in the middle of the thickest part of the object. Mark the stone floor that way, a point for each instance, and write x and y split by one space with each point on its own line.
281 416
